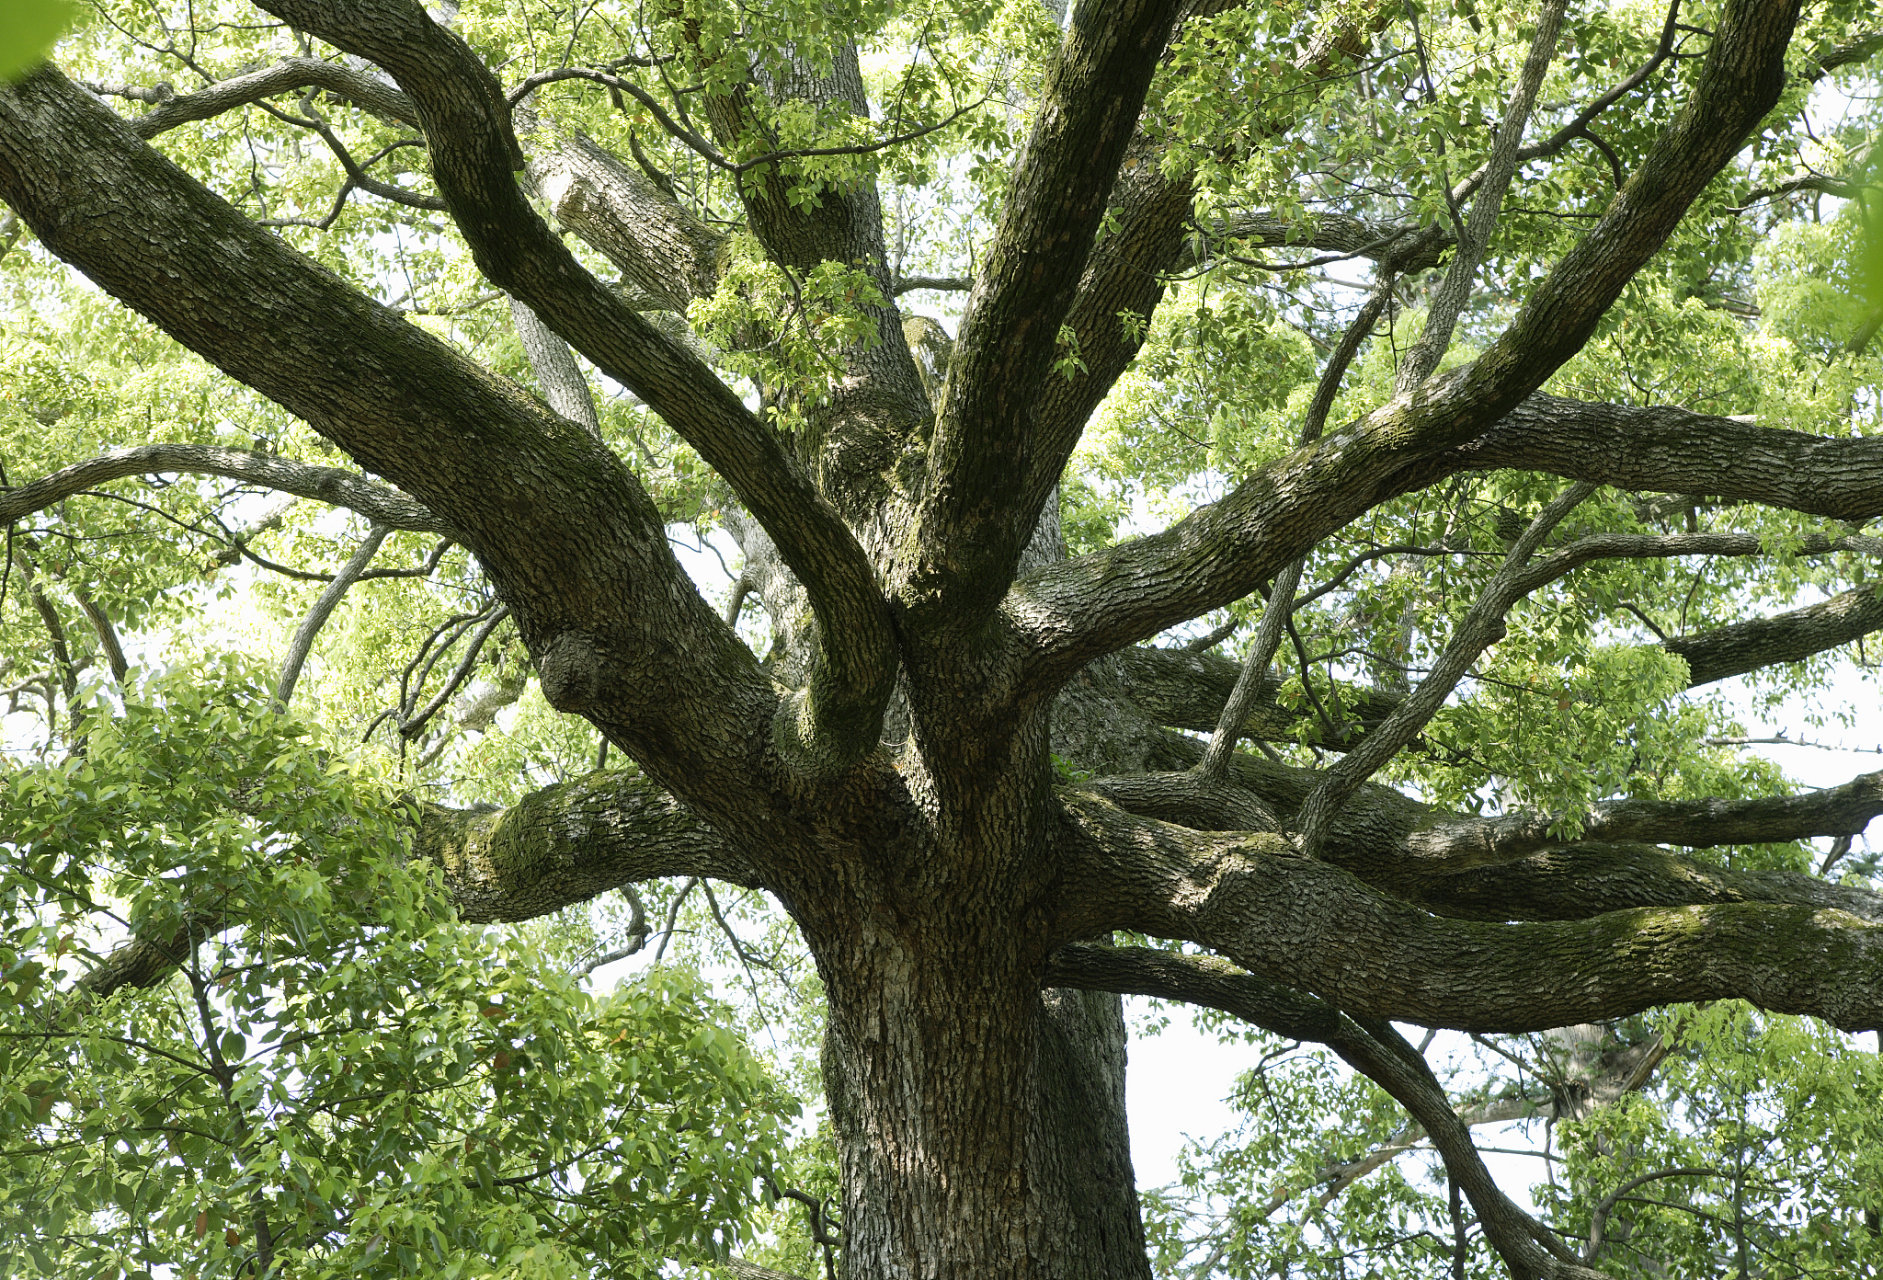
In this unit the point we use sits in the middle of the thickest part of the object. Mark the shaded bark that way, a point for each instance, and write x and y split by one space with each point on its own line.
941 880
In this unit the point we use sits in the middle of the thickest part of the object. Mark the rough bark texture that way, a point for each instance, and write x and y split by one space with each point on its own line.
890 780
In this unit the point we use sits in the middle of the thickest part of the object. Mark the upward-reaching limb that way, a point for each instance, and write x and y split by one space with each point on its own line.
1222 552
572 539
474 157
969 532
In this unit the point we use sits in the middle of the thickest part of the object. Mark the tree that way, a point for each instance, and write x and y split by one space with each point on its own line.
987 801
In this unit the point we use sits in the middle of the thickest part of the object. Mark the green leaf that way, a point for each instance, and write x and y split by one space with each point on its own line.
28 31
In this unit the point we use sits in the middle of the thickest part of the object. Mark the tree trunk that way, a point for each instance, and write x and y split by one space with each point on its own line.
980 1125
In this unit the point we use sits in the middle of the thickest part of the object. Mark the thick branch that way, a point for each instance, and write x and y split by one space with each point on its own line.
662 249
1315 927
474 155
567 844
1667 449
1788 637
1660 448
971 529
1152 237
555 847
1511 867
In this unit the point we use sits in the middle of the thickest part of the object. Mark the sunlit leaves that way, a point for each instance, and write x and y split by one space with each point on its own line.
1757 1148
336 1067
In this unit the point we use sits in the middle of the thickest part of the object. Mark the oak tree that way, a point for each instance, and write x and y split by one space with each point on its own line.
1592 433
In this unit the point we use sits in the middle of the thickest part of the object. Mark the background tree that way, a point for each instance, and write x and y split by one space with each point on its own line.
1590 437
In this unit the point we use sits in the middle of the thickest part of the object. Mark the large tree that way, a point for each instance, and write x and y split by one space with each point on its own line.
964 765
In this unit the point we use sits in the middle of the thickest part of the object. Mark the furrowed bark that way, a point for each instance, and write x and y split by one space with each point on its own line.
1153 237
1461 867
1790 637
572 540
1573 880
1667 449
569 843
474 154
970 529
663 251
1315 927
1102 601
874 412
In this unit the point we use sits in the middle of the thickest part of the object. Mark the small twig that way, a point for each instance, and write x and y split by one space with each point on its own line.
1599 1220
410 728
673 915
637 936
316 618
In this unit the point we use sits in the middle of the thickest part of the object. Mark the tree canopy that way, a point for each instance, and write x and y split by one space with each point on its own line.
1294 510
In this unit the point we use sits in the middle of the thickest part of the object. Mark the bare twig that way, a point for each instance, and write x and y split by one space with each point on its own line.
317 617
1482 627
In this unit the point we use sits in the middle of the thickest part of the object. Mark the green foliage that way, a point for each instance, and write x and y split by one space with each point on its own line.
781 331
1265 1187
1758 1149
29 30
338 1069
395 1093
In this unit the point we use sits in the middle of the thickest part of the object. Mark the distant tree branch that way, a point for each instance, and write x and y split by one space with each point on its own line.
1371 1046
324 605
378 502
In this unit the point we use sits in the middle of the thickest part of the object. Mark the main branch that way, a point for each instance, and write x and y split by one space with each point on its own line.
1315 927
474 158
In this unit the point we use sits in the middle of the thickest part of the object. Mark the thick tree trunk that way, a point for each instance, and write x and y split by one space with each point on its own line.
980 1124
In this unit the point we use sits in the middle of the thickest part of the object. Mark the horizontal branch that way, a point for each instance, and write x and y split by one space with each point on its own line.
284 76
1788 637
1315 927
568 843
1834 811
1181 689
380 503
1667 449
555 847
